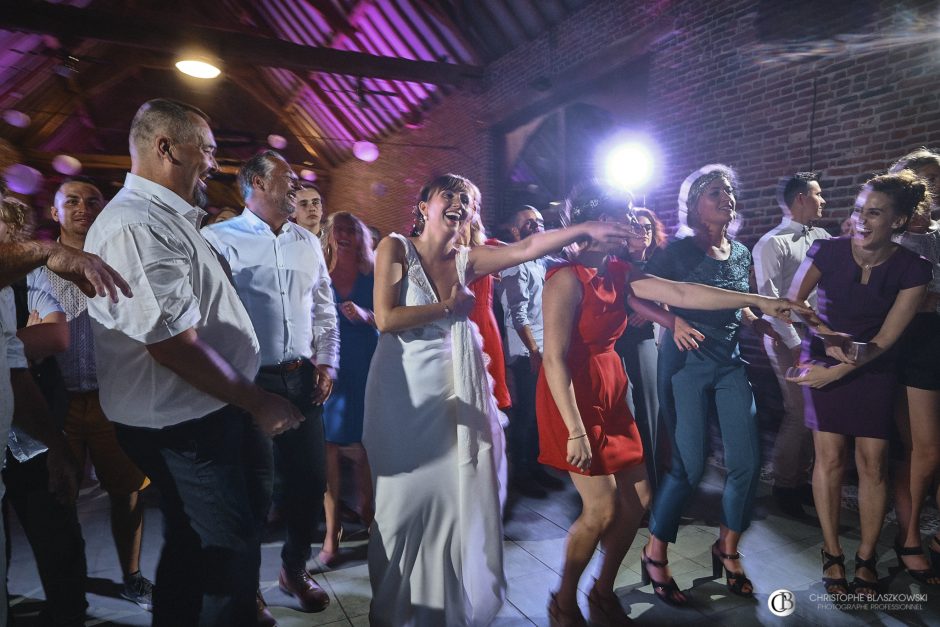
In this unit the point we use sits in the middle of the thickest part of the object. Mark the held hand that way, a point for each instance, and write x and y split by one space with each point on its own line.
839 346
354 313
92 276
322 383
781 308
685 336
607 232
63 474
535 361
462 300
579 453
33 318
275 414
812 374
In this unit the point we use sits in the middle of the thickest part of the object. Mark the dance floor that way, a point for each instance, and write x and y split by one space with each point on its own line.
779 553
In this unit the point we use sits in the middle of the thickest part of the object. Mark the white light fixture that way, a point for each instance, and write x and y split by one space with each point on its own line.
278 142
198 67
308 175
67 165
366 151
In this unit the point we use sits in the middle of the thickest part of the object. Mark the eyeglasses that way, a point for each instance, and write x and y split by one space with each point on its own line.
646 227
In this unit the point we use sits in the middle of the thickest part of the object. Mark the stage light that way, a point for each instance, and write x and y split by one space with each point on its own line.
308 175
67 165
278 142
198 67
22 179
366 151
628 166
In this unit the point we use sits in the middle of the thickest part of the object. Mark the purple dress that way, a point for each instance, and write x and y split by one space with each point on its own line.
860 404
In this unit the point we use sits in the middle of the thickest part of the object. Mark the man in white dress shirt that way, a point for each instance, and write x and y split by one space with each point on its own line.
777 256
176 366
282 279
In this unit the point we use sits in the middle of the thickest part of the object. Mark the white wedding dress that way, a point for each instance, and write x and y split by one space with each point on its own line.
436 448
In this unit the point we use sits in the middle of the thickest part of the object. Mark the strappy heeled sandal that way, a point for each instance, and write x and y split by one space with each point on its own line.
559 618
666 591
736 582
605 609
864 587
927 576
834 585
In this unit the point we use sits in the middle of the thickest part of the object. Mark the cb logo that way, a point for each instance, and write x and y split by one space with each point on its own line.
781 602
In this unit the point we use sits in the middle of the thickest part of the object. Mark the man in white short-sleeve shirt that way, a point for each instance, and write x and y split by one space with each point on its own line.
777 256
175 370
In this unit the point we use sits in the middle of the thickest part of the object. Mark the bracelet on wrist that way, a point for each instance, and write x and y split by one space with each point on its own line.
578 437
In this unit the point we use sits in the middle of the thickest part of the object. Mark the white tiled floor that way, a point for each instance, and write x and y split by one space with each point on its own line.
778 553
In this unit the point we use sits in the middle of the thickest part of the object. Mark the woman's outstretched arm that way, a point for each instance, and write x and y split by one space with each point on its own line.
488 259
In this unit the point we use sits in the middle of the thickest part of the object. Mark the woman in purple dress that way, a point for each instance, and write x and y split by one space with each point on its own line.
869 288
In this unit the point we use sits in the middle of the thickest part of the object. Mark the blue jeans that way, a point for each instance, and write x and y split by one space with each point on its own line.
208 570
298 456
688 382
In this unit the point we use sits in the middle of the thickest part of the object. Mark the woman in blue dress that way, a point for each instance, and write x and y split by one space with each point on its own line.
350 260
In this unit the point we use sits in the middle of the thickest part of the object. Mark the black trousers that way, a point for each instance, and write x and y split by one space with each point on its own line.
298 456
208 570
55 536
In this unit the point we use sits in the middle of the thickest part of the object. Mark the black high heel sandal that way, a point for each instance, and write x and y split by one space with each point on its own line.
834 585
864 587
735 581
922 576
666 591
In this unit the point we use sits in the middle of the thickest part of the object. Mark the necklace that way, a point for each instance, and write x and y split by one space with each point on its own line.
870 264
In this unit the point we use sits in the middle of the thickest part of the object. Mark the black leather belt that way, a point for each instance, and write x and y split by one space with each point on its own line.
281 368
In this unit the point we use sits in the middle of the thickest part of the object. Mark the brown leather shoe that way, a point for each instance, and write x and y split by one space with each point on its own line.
301 585
265 618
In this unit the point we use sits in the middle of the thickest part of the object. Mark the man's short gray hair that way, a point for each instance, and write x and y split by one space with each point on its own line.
163 116
260 165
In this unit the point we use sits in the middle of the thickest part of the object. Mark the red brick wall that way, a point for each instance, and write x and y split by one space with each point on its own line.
720 90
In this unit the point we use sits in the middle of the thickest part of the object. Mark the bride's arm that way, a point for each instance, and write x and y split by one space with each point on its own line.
390 316
489 259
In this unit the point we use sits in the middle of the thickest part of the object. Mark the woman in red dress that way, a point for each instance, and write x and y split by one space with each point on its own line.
482 314
585 426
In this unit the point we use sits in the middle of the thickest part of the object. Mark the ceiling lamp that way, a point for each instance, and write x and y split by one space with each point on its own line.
16 118
67 165
198 67
278 142
366 151
22 179
308 175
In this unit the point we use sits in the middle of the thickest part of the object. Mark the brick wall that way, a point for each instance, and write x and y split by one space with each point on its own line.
726 87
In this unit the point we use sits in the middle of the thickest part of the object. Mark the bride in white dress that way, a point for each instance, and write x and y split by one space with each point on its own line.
432 430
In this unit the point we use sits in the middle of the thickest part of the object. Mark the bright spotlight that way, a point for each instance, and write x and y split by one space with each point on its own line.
628 166
198 68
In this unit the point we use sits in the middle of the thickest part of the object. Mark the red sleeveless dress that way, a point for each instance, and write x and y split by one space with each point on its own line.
482 315
600 383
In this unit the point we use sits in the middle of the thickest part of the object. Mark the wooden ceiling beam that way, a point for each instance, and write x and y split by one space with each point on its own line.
160 33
